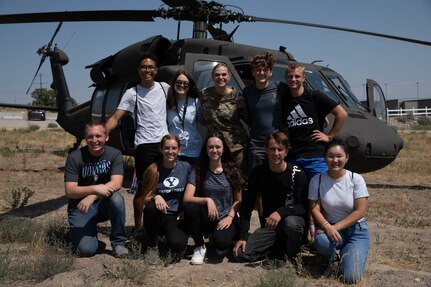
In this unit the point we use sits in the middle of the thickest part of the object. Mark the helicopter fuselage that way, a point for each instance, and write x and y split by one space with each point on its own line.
372 143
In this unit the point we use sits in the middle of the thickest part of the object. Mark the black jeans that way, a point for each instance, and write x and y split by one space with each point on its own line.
287 236
198 223
157 224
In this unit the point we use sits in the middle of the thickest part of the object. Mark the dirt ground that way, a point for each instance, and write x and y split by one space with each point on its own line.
398 216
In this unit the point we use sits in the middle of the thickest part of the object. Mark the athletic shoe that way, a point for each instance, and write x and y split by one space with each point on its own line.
198 255
119 251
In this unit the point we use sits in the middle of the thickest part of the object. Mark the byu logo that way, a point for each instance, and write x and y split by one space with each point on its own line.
171 182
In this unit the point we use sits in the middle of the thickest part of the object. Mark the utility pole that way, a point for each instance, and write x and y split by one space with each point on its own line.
417 89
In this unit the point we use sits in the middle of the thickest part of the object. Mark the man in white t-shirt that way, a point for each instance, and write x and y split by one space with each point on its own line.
147 103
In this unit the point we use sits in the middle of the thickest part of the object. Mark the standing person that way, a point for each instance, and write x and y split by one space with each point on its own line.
212 198
147 103
304 115
283 189
164 184
264 107
93 175
338 200
225 111
184 112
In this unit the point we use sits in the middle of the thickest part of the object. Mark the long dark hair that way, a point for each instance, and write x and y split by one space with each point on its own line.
230 169
193 92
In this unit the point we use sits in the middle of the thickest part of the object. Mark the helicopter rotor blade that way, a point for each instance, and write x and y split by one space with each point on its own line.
179 3
35 74
53 36
81 16
269 20
43 52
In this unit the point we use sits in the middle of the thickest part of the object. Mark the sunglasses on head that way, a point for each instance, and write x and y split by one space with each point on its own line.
184 84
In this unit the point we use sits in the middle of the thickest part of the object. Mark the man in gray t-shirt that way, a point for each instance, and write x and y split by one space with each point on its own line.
93 175
264 107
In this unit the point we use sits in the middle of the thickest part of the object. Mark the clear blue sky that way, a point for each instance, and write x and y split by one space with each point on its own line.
397 66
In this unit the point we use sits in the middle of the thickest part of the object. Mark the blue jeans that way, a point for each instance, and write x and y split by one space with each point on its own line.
311 166
83 227
353 250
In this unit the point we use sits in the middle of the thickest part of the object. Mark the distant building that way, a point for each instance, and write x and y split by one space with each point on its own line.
392 104
416 104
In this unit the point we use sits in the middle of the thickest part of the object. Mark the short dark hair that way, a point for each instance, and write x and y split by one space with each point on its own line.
147 56
336 141
279 137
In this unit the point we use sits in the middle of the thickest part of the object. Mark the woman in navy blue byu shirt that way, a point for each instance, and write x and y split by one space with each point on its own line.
163 189
212 198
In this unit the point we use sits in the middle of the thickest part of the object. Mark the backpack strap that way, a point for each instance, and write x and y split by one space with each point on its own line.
163 89
135 113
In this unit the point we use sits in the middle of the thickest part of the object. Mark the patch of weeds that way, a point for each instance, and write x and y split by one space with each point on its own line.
284 276
16 197
19 230
6 152
56 234
30 128
52 125
133 270
420 127
33 128
405 118
51 261
34 259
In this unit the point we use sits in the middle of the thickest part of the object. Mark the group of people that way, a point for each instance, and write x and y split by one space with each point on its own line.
265 150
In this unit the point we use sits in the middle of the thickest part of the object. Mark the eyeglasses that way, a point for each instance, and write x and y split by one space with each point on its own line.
147 68
182 83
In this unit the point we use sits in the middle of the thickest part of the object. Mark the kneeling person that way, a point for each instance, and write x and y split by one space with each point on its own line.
283 189
93 175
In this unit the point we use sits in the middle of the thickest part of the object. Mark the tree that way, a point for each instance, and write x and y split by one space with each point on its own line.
47 98
44 97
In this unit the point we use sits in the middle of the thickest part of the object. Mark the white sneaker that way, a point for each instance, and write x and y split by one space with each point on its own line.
198 255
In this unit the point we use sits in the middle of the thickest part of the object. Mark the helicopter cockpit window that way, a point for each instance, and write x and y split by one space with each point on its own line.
97 105
344 89
379 103
113 97
318 83
202 75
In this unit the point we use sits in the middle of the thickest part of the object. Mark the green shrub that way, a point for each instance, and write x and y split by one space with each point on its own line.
33 128
16 197
52 125
6 152
424 121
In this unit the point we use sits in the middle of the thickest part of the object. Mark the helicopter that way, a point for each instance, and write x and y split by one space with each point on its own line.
372 143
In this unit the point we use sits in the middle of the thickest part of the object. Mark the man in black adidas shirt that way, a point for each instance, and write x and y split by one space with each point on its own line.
303 119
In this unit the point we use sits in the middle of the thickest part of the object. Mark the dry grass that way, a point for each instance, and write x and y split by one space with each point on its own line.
398 216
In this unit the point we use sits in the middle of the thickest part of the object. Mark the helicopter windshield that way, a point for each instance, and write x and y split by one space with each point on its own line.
344 89
202 70
321 80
